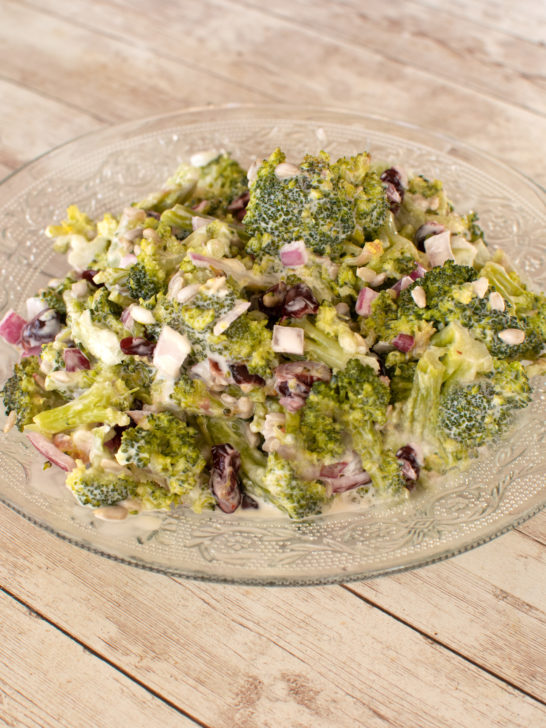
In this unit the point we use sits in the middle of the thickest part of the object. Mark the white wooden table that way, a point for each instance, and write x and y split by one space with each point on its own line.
85 641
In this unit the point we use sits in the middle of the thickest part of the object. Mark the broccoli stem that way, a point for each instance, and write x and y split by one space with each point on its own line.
92 406
321 347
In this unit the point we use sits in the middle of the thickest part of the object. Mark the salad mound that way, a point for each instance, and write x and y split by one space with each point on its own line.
296 335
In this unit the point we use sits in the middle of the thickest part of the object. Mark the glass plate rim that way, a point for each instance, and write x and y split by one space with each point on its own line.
309 111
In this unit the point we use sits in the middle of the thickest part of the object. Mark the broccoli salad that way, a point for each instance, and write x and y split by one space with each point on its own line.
297 335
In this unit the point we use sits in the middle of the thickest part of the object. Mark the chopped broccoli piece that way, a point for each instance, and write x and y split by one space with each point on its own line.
317 205
145 280
477 413
94 486
194 397
106 401
220 181
248 340
166 447
23 394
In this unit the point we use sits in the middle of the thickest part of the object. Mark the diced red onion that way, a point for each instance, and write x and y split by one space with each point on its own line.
137 415
198 222
171 351
126 318
438 248
35 306
50 451
287 340
292 403
225 321
294 254
128 260
74 360
334 470
364 301
347 482
419 272
402 284
403 342
11 327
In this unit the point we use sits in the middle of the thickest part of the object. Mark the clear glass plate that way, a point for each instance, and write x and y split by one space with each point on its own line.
104 171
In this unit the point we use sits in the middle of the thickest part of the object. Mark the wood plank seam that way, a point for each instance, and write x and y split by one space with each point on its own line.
445 646
159 53
448 9
35 612
343 42
51 97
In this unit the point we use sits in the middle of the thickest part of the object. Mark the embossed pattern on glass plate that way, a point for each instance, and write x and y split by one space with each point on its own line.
106 170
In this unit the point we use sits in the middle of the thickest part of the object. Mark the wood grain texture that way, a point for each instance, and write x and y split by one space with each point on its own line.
461 642
255 657
49 681
454 48
279 58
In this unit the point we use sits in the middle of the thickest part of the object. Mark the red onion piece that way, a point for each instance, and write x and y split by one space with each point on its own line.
347 482
126 318
334 470
128 260
293 254
287 340
137 345
364 301
225 321
75 360
419 272
42 329
50 451
11 327
403 342
438 248
171 351
402 284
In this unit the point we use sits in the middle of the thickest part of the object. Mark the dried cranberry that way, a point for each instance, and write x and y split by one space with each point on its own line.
241 375
248 501
88 275
224 480
137 345
293 381
272 301
409 466
299 301
394 189
41 329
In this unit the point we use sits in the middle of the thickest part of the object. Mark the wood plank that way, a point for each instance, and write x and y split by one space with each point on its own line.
252 657
430 39
283 60
49 681
526 19
487 604
47 123
97 74
535 527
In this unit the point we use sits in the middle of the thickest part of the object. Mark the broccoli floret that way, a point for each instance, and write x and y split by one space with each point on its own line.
248 340
486 324
145 280
76 223
332 341
139 376
194 397
52 295
317 205
401 372
282 487
166 447
479 412
106 401
23 394
272 477
94 486
220 181
106 313
315 428
197 318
